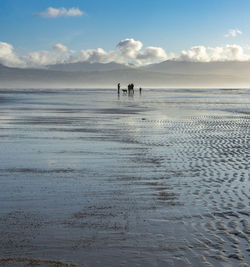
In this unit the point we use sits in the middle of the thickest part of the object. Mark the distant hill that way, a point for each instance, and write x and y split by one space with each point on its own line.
165 74
197 68
87 66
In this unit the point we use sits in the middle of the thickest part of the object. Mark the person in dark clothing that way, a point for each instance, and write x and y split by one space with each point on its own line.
129 88
132 87
118 87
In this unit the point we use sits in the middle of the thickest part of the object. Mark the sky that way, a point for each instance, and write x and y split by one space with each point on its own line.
40 32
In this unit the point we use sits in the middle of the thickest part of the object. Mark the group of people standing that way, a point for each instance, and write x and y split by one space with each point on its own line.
130 89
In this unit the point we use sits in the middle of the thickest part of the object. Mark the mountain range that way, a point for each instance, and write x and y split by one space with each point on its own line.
165 74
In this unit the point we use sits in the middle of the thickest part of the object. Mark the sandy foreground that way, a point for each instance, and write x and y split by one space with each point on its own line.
88 178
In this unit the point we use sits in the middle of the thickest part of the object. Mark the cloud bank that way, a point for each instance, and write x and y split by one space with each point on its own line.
52 12
127 51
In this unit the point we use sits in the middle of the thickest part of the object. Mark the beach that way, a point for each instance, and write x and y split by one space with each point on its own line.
92 178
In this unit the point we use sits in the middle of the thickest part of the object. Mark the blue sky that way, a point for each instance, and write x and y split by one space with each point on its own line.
173 25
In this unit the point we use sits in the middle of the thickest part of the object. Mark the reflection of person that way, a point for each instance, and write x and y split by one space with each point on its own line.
118 86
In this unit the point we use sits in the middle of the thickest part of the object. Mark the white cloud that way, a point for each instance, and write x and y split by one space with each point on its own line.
8 56
153 53
235 52
196 53
221 53
42 58
233 33
99 55
60 47
129 47
52 12
57 55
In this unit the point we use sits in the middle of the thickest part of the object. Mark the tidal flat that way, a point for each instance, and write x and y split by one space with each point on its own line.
92 178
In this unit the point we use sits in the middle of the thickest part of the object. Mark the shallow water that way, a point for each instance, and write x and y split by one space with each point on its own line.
158 179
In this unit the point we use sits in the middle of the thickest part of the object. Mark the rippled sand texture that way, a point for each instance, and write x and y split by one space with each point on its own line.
90 179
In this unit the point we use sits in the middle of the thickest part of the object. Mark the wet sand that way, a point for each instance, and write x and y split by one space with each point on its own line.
88 178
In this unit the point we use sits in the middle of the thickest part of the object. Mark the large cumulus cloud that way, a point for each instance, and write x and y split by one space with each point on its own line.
132 49
129 47
8 56
58 54
220 53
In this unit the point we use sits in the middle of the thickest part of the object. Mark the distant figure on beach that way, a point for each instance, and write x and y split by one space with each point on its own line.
131 88
140 90
118 87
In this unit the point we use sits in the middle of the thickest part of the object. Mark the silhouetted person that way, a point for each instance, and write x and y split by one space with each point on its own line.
129 88
140 90
132 87
118 87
